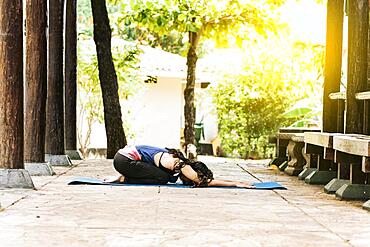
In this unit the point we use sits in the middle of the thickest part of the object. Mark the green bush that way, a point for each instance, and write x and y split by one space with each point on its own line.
248 113
251 107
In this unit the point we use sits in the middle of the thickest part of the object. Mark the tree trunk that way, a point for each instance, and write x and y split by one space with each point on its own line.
36 79
70 76
189 108
333 64
54 107
11 84
358 25
108 79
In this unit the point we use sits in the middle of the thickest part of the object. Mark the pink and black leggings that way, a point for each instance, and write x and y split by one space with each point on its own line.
139 172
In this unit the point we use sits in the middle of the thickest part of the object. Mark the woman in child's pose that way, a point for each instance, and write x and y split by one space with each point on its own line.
144 164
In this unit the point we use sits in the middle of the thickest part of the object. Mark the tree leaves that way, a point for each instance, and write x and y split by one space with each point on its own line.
225 17
297 112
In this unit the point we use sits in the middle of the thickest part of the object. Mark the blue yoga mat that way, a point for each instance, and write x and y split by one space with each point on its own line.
94 181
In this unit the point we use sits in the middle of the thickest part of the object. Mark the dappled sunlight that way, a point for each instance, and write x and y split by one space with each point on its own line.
306 20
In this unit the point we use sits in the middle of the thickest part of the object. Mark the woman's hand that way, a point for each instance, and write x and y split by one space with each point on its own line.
245 185
230 183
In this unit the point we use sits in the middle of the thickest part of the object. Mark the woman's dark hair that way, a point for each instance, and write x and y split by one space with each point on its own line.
205 175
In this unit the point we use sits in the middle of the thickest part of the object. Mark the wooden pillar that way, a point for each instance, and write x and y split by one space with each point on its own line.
368 56
366 122
70 76
333 63
358 23
55 107
36 79
11 84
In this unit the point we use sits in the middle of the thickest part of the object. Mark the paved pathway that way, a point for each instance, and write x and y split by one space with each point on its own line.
60 215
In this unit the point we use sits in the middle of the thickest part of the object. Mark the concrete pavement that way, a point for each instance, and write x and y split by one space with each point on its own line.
57 214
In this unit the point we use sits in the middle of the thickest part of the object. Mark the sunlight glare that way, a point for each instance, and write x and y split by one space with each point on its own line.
307 20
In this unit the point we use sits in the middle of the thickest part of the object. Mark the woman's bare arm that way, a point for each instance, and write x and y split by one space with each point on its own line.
188 172
169 161
229 183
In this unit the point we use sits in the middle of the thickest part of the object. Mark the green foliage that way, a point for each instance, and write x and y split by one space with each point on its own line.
253 106
215 19
307 111
247 113
173 41
84 18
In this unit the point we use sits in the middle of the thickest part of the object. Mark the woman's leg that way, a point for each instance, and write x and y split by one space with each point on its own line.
139 172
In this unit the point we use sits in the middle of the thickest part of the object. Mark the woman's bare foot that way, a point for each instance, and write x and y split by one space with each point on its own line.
114 179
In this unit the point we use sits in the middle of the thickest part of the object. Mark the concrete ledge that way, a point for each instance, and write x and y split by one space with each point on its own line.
305 173
366 205
74 154
278 161
320 177
39 169
15 178
58 160
335 185
283 166
353 192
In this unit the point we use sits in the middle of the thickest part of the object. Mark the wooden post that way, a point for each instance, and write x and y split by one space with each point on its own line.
55 108
11 84
366 123
36 79
70 76
333 63
358 23
368 60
